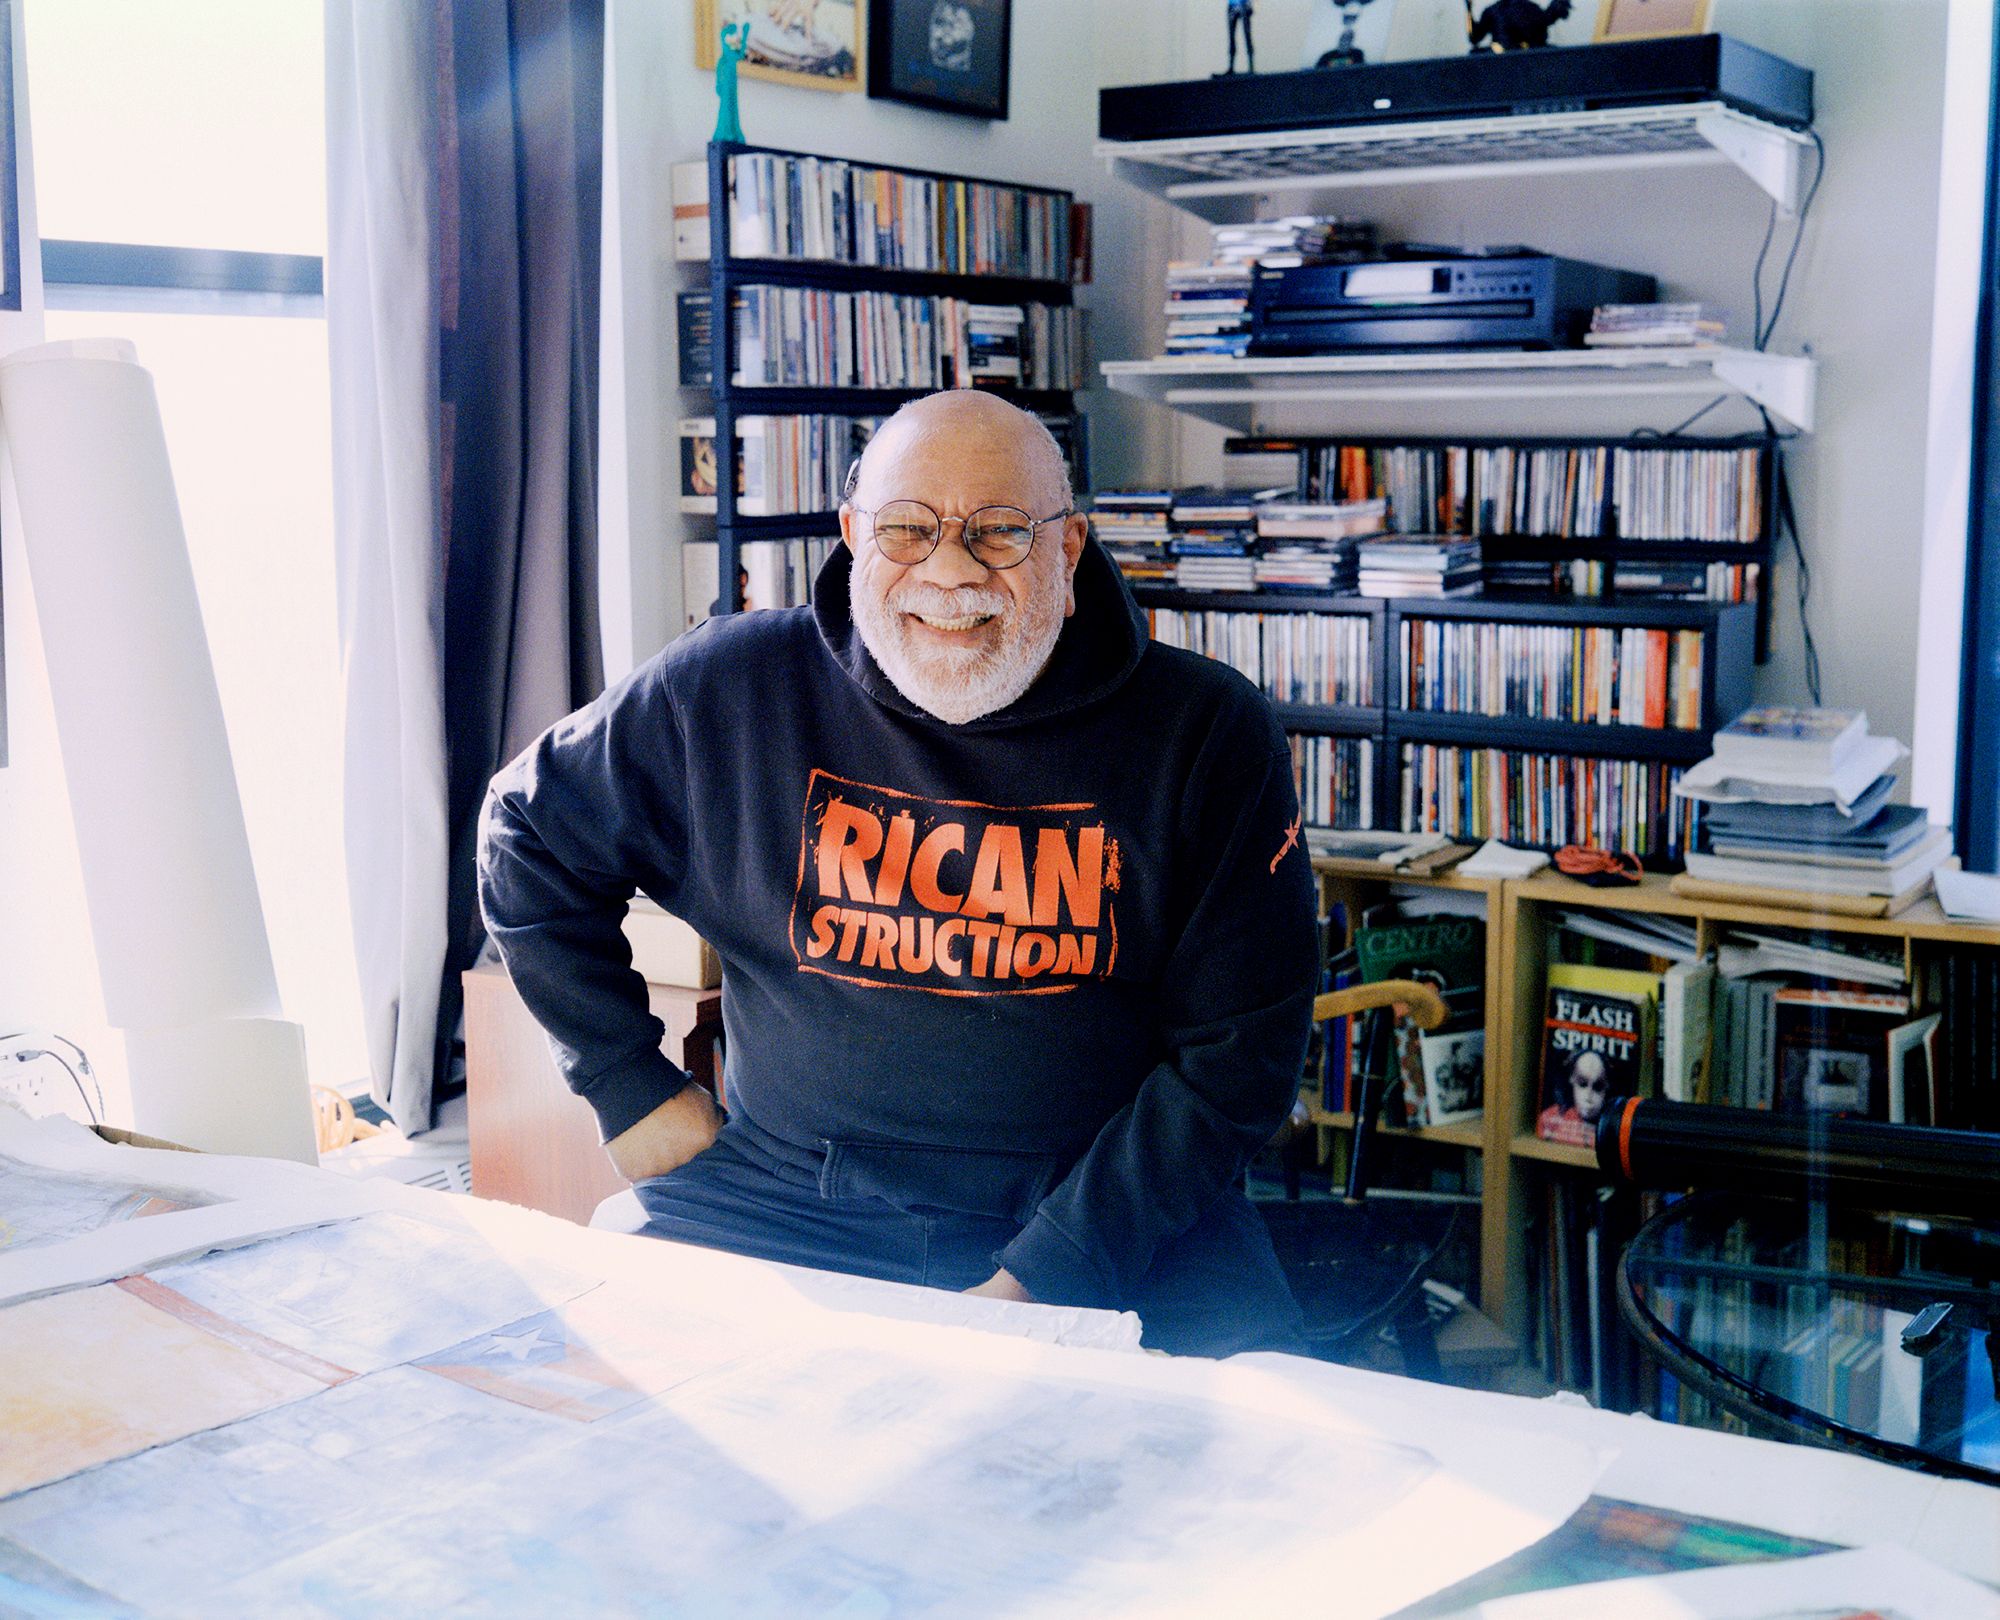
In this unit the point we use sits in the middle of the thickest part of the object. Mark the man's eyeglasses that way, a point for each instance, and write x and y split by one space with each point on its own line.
906 532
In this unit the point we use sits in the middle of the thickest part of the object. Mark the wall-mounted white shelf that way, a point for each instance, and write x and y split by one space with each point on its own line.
1220 177
1229 391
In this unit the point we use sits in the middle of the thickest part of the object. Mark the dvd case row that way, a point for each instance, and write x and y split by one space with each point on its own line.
812 337
1545 800
773 574
1589 674
787 465
1594 576
784 464
803 207
1585 492
1320 658
1335 780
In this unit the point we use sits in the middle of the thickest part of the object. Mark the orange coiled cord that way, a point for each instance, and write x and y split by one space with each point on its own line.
1578 861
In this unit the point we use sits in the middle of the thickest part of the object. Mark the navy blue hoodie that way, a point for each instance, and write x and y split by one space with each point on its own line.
1055 964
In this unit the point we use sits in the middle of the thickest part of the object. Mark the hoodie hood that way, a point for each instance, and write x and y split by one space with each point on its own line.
1099 648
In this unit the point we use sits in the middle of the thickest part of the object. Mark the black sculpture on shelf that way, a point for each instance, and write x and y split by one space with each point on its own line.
1240 12
1513 25
1345 52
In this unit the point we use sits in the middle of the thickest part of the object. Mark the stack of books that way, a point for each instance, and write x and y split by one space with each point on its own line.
1799 799
1208 308
1214 540
1431 565
1637 326
1131 525
1309 545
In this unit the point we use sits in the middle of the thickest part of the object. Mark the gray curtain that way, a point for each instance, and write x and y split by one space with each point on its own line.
464 141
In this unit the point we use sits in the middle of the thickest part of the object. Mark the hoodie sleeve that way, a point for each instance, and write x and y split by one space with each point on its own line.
1236 1001
595 808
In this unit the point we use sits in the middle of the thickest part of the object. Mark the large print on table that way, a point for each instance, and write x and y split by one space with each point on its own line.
951 55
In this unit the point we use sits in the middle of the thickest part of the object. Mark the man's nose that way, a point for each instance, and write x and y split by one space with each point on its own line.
950 563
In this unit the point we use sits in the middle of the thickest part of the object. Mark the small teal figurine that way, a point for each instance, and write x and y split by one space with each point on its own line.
735 45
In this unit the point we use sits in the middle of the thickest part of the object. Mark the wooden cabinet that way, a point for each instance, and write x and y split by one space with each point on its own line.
534 1141
1520 917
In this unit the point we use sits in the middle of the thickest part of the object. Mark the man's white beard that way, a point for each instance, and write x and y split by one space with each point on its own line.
958 684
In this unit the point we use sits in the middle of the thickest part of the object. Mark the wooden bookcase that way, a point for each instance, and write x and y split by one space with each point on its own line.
727 274
1519 924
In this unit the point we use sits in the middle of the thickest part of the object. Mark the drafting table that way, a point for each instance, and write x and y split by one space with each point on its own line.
787 1442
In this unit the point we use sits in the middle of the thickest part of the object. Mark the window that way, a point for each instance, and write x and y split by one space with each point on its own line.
180 166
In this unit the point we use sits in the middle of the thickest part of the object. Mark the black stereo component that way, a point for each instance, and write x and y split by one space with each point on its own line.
1526 300
1573 78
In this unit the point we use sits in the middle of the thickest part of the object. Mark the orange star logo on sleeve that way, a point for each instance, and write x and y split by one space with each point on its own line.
1291 839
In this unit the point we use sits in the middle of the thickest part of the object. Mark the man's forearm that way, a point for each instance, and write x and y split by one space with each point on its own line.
1162 1159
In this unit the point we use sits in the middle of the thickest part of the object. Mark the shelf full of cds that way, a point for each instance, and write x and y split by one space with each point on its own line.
1647 517
1539 722
836 291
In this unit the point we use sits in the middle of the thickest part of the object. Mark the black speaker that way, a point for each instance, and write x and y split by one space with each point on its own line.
1573 78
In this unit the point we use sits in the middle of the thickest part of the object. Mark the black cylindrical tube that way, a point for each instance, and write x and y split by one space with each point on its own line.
1649 1142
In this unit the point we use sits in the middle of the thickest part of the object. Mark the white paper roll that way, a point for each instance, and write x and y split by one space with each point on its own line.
173 902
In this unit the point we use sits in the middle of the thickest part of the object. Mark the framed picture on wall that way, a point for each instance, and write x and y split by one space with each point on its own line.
1621 20
815 43
949 55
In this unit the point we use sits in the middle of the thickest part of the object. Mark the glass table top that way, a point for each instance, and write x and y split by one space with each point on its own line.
1863 1331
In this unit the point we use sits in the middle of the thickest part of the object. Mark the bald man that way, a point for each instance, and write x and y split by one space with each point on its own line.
1016 927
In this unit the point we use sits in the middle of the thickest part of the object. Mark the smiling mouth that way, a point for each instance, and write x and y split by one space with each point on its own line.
958 621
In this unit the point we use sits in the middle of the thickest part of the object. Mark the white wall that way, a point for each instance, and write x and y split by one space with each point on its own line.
662 112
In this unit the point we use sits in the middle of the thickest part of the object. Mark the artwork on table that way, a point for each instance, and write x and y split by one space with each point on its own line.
1621 20
949 55
1347 33
39 1206
816 43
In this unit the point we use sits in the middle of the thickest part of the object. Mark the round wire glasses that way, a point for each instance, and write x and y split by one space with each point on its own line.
906 532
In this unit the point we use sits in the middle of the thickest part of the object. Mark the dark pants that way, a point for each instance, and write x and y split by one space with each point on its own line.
1214 1290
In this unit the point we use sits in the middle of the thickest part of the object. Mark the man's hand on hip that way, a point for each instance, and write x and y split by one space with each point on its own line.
675 1132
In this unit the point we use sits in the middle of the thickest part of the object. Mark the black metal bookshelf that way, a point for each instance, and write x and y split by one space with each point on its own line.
1607 547
728 273
1729 636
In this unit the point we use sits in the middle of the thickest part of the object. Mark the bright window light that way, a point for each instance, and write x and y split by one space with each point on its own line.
180 123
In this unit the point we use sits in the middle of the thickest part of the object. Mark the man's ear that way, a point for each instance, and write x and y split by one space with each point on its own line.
1076 530
847 527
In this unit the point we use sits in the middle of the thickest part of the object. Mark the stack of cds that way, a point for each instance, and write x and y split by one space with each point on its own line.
1433 565
1309 545
1295 239
1322 566
1208 308
1637 326
1131 525
1214 540
1208 304
993 334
